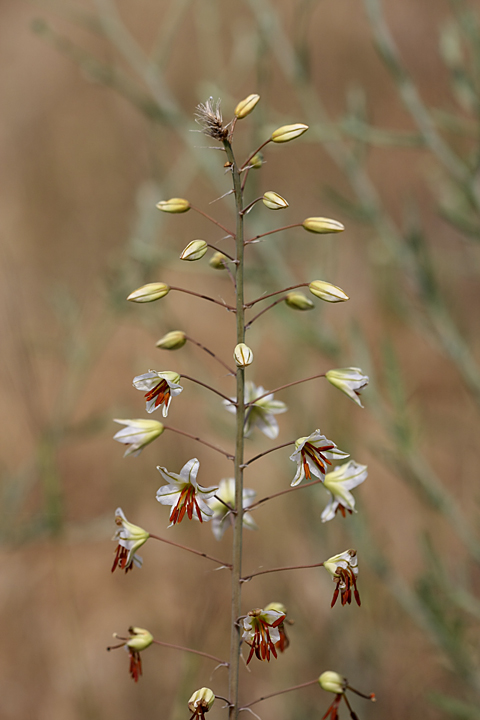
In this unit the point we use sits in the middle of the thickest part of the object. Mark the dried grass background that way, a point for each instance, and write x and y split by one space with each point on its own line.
82 170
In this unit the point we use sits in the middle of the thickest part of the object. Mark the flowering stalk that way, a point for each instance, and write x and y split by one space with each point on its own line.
239 443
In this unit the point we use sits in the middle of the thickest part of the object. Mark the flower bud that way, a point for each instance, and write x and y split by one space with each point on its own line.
274 201
172 341
195 250
332 682
349 380
149 292
201 701
322 225
298 301
246 106
217 261
242 355
257 161
174 205
326 291
140 640
288 132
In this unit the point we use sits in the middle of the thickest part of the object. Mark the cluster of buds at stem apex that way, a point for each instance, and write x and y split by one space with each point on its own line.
338 483
149 293
298 301
343 569
322 225
274 201
327 292
246 106
259 413
140 639
242 355
130 538
312 455
160 387
201 702
173 340
174 205
137 433
284 642
337 684
218 261
288 132
209 117
349 380
260 631
223 505
195 250
184 494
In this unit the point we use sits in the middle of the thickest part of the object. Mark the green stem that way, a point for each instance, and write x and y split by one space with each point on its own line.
239 446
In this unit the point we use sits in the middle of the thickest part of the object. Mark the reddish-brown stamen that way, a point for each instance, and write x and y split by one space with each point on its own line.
317 456
161 392
186 503
120 560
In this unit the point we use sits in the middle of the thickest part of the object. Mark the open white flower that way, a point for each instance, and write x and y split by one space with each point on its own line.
184 493
222 516
260 631
338 483
312 455
160 387
343 569
137 434
349 380
130 538
260 413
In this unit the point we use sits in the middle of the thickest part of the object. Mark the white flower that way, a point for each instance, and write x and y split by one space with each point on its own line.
222 516
160 387
201 702
130 538
137 434
338 483
312 454
349 380
260 631
260 413
343 569
184 493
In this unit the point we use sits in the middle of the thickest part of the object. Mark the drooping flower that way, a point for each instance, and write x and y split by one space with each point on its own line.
201 702
137 434
284 642
312 455
349 380
335 683
260 631
338 483
160 387
184 494
222 515
260 413
343 569
140 639
130 538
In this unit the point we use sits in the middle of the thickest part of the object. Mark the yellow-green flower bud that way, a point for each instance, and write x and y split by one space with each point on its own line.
257 161
298 301
149 292
326 291
322 225
332 682
288 132
172 341
195 250
242 355
246 106
174 205
279 607
141 639
201 701
217 261
274 201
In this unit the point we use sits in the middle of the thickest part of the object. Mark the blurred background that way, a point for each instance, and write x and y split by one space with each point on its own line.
98 102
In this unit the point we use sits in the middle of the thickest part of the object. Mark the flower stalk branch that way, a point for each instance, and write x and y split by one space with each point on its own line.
204 297
191 550
280 569
191 650
277 292
281 692
211 353
198 439
282 387
209 387
215 222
